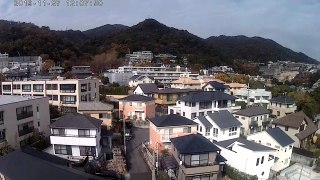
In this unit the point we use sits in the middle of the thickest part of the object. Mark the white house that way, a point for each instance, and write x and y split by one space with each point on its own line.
218 126
201 103
279 140
216 86
140 79
253 119
20 116
76 135
253 96
247 156
146 89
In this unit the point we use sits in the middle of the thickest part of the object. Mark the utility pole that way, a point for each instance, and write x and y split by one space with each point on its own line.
124 128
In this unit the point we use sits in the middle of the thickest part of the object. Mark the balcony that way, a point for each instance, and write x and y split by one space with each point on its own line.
26 131
74 140
74 135
24 115
166 137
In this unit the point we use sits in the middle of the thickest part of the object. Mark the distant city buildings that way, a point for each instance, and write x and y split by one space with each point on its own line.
140 56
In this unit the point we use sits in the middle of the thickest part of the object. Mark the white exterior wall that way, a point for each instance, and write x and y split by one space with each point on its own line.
245 120
11 123
291 133
283 153
282 109
245 161
134 83
94 93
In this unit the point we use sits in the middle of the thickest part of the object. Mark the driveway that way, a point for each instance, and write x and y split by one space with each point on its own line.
138 169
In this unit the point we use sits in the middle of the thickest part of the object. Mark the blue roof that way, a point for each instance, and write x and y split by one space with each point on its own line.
281 137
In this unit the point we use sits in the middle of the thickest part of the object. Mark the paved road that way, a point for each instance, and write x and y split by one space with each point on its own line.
138 169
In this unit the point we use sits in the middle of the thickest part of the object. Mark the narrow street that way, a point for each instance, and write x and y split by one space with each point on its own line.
138 169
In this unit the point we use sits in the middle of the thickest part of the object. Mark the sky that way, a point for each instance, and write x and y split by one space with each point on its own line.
292 23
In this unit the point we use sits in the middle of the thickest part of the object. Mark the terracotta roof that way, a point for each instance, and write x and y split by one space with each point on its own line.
186 80
236 85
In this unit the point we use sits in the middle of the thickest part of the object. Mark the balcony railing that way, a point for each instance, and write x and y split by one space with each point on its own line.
24 115
26 131
74 135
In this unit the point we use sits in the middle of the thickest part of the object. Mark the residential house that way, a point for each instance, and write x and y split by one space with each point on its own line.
234 87
81 72
64 93
201 103
56 70
254 96
20 117
198 158
146 89
137 107
298 126
282 106
218 126
98 110
253 119
186 83
216 86
279 140
247 156
140 79
76 135
169 126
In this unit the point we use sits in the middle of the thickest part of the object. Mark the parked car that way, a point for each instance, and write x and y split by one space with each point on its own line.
128 134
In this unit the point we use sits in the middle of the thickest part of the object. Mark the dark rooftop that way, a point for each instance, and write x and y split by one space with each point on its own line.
77 121
171 120
174 91
148 88
207 96
281 137
224 119
253 111
282 100
136 97
193 144
217 85
204 121
244 143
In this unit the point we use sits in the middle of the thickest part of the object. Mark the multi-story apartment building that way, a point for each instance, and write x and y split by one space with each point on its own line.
65 93
163 128
201 103
254 96
253 119
76 135
282 106
198 158
20 116
279 140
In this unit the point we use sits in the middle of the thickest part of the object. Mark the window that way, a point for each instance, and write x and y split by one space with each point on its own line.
268 144
278 113
68 99
215 132
262 159
83 87
201 177
3 134
38 88
6 88
1 117
68 88
84 132
183 113
257 163
38 124
169 97
89 86
209 112
16 86
196 160
286 128
201 113
37 108
24 112
52 97
87 150
62 149
187 130
51 87
200 128
58 132
205 105
26 88
277 147
25 128
232 131
193 115
243 118
207 131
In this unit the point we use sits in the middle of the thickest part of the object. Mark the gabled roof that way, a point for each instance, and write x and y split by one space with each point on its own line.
224 119
171 120
94 106
204 121
193 144
134 77
217 85
281 137
175 91
253 111
207 96
244 143
76 121
148 88
136 97
282 100
186 80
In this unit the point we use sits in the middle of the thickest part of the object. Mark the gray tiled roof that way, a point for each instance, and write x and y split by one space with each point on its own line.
94 106
224 119
217 85
76 121
253 111
281 137
8 99
282 100
204 121
207 96
136 97
175 91
134 77
193 144
148 88
171 120
244 143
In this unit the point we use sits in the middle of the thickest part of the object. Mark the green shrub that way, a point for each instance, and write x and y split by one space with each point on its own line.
238 175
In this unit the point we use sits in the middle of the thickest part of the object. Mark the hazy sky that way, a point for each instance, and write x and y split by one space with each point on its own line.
292 23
